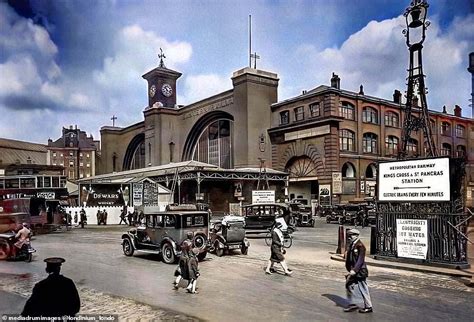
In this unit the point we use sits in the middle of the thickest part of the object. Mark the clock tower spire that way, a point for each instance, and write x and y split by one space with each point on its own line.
162 84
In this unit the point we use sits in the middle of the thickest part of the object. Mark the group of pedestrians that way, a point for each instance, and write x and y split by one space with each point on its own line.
357 289
101 217
188 265
135 218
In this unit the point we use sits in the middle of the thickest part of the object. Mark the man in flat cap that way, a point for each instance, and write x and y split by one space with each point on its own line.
356 279
55 296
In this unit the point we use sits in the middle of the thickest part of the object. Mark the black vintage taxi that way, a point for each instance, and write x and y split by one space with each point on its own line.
164 232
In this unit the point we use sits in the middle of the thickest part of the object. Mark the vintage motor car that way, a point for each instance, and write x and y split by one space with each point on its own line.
301 213
261 217
164 232
228 234
335 214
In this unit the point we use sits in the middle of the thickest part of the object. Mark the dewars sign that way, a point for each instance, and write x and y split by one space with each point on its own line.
414 180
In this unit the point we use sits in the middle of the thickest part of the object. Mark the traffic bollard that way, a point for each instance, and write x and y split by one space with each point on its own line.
340 240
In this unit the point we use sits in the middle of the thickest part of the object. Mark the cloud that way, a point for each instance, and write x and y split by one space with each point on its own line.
377 57
198 87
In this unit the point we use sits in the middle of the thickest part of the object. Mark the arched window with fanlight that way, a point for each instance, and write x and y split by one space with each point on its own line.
371 171
392 119
346 110
214 144
348 170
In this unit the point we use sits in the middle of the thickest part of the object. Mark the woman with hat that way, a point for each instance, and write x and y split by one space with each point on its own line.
277 250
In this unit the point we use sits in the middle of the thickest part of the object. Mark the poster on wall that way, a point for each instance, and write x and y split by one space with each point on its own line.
337 182
137 194
150 194
412 238
325 194
414 180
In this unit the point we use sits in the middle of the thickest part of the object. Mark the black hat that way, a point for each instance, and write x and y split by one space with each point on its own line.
54 261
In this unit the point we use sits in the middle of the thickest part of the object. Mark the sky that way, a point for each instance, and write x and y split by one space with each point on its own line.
79 62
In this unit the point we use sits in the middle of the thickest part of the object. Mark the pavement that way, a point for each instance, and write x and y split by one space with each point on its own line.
409 267
233 287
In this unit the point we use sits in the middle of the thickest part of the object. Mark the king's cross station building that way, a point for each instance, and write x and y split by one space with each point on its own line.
322 145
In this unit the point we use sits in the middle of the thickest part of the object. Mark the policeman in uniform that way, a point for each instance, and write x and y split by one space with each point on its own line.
55 296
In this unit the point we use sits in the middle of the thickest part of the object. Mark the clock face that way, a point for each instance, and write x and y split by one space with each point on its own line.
167 90
152 90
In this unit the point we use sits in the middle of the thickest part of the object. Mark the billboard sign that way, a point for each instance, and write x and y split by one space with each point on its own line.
414 180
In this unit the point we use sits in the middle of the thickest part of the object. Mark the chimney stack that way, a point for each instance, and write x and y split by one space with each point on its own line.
444 109
335 81
397 96
361 90
457 110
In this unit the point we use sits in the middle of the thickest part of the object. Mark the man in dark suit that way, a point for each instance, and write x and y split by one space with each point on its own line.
356 279
55 296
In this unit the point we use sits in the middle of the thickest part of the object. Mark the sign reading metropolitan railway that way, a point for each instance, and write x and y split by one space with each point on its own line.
414 180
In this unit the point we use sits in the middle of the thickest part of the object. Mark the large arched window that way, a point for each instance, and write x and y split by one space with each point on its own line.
346 110
346 140
392 119
370 115
138 158
214 144
348 170
369 143
391 145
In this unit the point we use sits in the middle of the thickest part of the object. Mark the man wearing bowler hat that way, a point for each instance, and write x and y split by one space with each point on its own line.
55 296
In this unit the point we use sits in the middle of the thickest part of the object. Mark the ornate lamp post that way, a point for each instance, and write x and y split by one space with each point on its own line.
415 16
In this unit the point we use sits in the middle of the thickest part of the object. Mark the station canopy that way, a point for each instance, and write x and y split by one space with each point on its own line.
186 170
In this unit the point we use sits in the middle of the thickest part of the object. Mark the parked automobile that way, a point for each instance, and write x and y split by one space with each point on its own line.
164 232
301 213
261 217
7 245
335 213
228 234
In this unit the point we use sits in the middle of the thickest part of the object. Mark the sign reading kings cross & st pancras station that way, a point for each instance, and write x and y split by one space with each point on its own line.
414 180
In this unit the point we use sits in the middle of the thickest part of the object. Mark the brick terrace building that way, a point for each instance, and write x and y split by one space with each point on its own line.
76 151
329 130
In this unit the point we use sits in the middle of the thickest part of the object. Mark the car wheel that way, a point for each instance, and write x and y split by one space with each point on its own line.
244 249
219 251
199 241
4 249
201 256
167 253
127 247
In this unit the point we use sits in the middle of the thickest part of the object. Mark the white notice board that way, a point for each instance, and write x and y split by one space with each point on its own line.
263 196
412 238
414 180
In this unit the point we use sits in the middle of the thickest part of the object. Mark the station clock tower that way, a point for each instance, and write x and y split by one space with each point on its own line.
162 84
